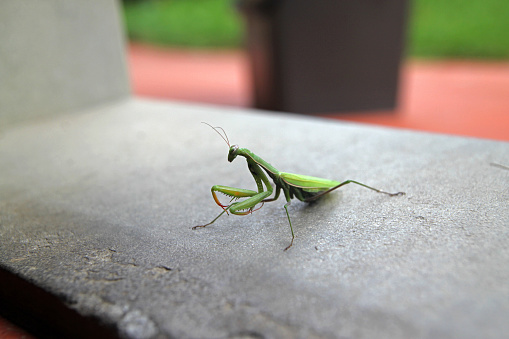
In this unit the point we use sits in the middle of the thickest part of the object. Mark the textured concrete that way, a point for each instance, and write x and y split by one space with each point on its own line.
57 56
96 208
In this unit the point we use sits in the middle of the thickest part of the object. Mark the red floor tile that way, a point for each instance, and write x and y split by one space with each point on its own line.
455 97
217 77
10 331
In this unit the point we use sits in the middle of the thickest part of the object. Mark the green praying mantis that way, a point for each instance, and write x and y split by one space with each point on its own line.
303 187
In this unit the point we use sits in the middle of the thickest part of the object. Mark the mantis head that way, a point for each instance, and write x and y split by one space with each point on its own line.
233 152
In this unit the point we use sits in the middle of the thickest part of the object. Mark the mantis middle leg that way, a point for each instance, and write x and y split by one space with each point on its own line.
288 202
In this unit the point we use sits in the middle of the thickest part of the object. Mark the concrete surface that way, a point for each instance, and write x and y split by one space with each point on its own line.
57 56
96 208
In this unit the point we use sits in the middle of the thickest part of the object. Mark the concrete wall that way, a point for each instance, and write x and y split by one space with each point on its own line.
57 56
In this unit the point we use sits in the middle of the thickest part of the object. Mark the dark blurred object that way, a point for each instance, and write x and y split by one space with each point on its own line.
42 314
325 56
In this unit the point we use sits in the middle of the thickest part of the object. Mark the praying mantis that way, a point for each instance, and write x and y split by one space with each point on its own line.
303 187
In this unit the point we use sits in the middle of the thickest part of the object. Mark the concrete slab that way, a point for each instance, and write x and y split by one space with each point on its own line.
96 209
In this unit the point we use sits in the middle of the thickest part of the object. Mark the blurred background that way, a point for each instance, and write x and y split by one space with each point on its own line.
453 78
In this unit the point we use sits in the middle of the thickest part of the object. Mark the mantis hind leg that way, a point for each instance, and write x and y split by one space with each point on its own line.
352 182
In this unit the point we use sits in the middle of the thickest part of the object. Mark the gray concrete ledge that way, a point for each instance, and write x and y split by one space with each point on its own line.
96 209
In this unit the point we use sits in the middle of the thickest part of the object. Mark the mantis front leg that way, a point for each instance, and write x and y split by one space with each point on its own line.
234 193
234 208
246 206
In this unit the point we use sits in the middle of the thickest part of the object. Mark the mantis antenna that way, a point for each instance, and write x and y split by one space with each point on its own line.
225 137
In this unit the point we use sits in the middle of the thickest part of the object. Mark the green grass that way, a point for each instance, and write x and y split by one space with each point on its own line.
459 29
437 28
190 23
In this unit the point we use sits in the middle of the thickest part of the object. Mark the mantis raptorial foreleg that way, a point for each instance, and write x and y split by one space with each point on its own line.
234 208
246 206
234 193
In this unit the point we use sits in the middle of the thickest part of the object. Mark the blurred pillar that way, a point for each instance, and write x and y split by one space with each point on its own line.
325 55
